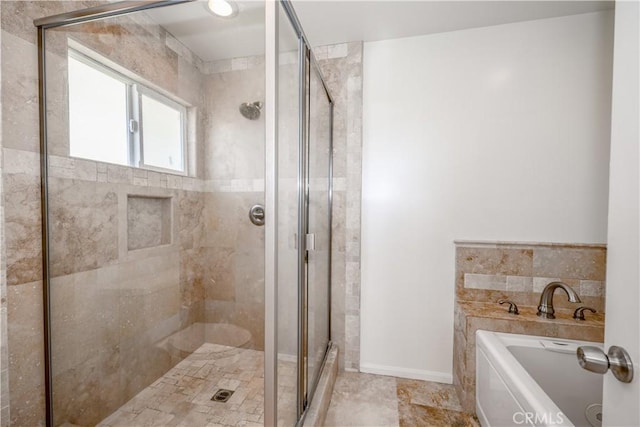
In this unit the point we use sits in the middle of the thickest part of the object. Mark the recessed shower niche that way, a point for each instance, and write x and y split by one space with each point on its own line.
148 221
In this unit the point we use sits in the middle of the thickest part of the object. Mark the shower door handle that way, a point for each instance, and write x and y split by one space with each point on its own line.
310 242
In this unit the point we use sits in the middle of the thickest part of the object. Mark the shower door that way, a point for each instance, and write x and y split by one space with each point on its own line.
155 274
305 114
319 149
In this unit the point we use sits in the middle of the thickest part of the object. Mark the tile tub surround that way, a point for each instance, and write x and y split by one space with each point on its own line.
489 271
518 271
472 316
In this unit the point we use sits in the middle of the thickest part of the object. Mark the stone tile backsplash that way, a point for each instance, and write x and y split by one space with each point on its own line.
592 288
488 271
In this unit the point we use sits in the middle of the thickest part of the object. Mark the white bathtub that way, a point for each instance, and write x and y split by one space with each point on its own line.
529 380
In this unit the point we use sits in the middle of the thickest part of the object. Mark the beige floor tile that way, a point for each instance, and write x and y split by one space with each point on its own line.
363 400
373 400
182 397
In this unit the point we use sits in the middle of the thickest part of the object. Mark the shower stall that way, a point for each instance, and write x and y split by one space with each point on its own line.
187 193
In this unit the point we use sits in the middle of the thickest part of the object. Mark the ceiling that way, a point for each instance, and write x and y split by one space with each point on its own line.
332 21
211 37
329 22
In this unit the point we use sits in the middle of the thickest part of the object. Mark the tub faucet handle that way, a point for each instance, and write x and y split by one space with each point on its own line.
579 313
513 308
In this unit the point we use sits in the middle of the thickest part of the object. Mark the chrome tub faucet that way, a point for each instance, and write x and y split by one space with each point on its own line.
545 309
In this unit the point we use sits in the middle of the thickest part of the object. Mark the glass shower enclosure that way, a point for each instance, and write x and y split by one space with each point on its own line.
186 184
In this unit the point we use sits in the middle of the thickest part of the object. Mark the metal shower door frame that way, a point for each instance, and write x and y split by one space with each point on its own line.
307 63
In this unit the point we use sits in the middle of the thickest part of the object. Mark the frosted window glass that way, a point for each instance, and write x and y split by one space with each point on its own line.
97 115
162 135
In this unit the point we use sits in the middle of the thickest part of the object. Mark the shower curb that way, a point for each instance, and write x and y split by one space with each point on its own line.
317 412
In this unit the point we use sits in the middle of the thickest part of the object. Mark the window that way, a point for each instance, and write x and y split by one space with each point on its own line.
115 119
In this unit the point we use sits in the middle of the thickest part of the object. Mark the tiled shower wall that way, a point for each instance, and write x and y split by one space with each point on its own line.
234 158
22 300
166 285
109 303
4 351
341 66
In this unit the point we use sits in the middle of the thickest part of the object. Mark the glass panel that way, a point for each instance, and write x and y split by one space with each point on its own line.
319 257
157 297
97 114
288 155
162 134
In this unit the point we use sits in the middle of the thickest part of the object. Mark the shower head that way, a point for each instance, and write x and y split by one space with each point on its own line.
251 110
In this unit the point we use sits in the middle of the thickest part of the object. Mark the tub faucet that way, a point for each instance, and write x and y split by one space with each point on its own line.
545 309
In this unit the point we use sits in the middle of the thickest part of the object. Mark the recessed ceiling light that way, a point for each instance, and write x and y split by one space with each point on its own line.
223 8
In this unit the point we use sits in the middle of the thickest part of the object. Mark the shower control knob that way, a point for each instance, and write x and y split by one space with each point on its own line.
617 359
256 215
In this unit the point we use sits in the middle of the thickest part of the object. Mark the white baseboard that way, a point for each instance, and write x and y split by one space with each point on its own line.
414 374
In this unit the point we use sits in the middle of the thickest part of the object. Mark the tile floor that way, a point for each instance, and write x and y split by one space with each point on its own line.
182 397
374 400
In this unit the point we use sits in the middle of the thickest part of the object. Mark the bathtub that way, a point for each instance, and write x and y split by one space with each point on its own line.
529 380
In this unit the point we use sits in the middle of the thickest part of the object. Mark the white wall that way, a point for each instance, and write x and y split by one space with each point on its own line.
495 133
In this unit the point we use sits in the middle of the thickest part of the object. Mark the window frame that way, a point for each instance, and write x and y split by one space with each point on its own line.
135 89
139 91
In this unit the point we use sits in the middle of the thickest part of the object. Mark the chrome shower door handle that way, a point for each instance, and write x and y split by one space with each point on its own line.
256 215
617 359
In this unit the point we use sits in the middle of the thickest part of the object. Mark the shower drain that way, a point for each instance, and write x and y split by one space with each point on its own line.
222 395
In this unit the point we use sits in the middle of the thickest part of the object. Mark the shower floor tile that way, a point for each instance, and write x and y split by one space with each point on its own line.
182 397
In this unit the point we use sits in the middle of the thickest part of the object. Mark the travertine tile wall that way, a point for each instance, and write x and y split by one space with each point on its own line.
487 272
4 351
341 66
21 222
234 160
110 306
